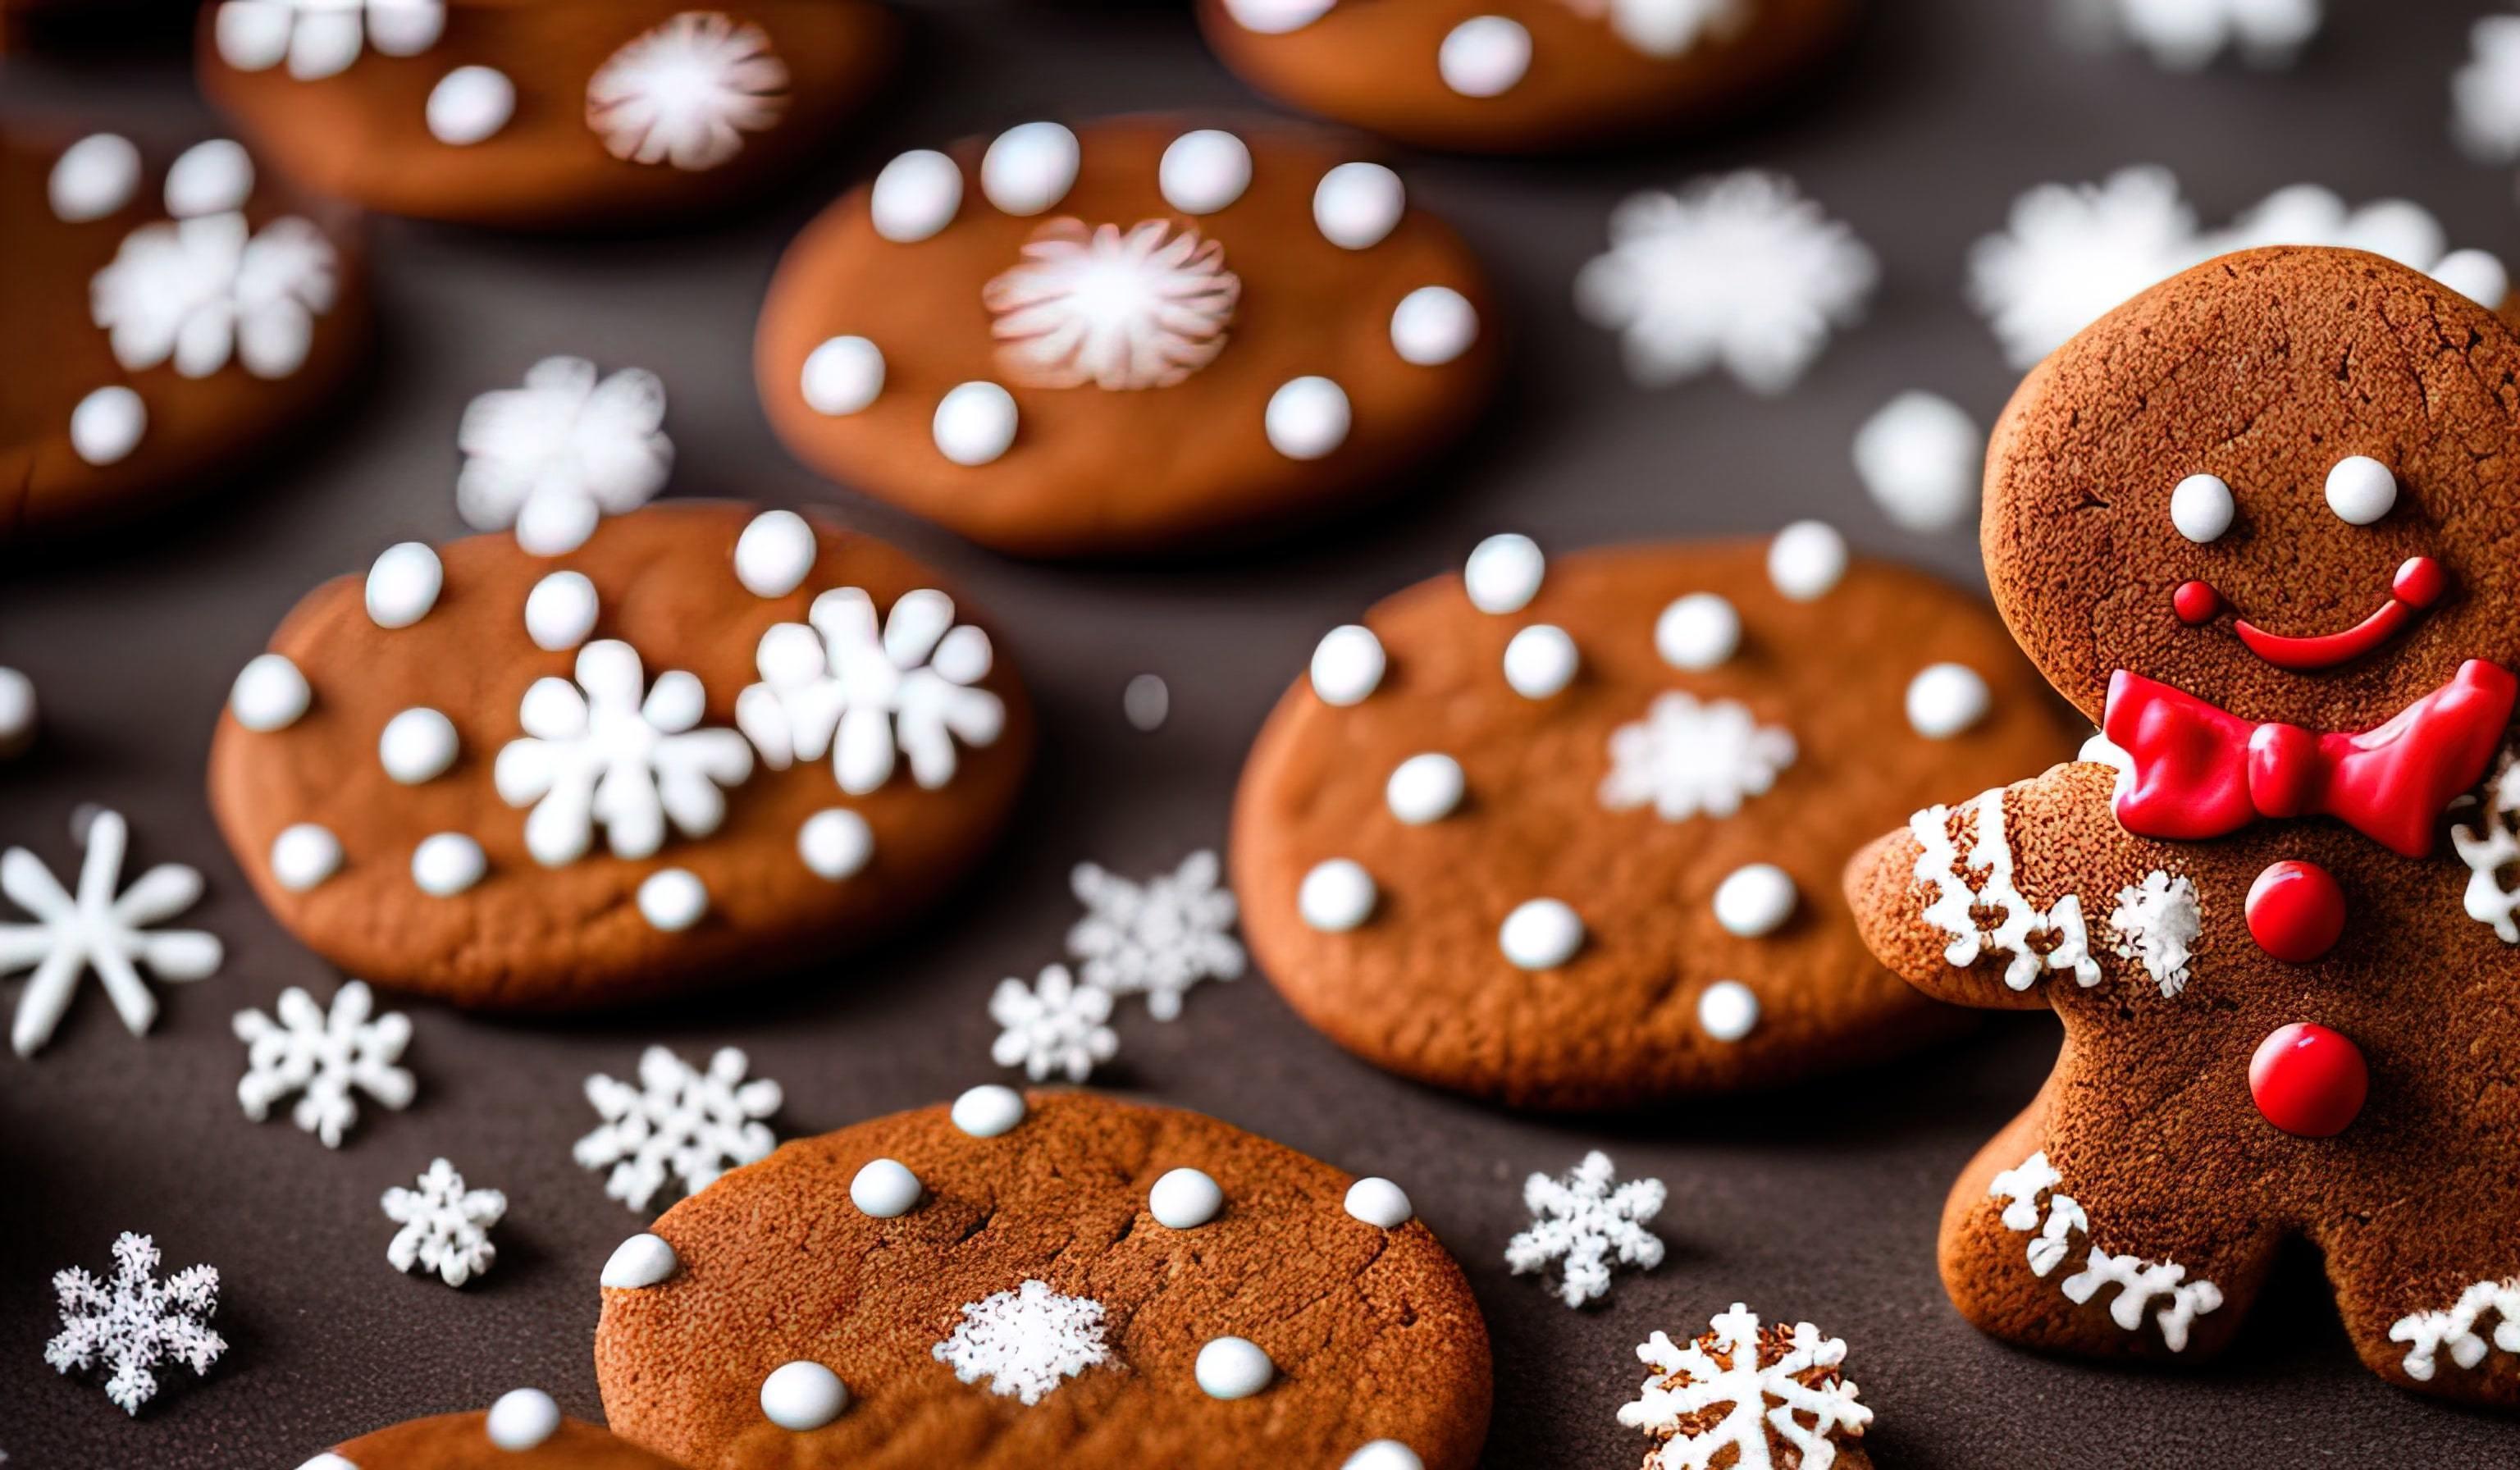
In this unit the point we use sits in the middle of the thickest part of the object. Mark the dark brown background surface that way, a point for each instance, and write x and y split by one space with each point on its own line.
1821 1204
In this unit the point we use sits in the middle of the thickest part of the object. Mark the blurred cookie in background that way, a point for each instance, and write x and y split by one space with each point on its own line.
1520 77
1132 337
170 315
541 114
524 1431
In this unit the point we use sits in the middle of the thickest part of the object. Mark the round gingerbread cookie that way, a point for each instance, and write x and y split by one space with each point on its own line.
1516 76
542 112
706 743
1569 836
524 1431
169 315
1029 1281
1125 337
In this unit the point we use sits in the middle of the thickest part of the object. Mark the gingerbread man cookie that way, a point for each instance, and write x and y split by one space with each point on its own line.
1516 76
1125 337
708 740
1568 833
1039 1281
541 112
2257 524
524 1431
169 315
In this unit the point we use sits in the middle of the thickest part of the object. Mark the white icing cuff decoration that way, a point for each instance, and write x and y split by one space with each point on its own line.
842 375
1686 758
1357 206
1307 417
469 105
2461 1329
864 691
2139 1282
97 928
679 1122
1484 56
94 177
1586 1224
1029 167
1958 901
446 1227
1025 1342
687 92
915 196
2157 922
107 424
327 1055
1141 308
2488 847
803 1396
1203 171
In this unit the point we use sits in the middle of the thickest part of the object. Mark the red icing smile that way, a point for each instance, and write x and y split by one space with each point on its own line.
2419 584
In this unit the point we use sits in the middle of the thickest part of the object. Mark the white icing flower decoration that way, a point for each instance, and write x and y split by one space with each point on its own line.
1055 1028
554 456
596 752
199 290
1668 28
1685 757
1739 272
687 92
320 38
843 685
1140 309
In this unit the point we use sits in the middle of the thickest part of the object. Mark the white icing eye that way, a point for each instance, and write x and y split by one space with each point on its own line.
2361 490
2202 507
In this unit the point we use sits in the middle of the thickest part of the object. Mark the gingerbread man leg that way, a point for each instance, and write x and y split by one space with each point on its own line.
2433 1310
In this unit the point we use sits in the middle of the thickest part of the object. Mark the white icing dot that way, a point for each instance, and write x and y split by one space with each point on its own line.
842 375
2478 274
522 1419
1540 660
303 856
988 1111
835 843
2361 490
1146 702
560 613
418 745
1484 56
1424 788
1727 1010
1945 700
1185 1199
16 712
1379 1203
641 1261
1383 1455
672 899
976 423
1698 631
1806 559
1432 326
774 554
1755 899
269 693
1503 572
915 195
1921 456
885 1189
469 105
94 177
802 1395
107 425
1307 417
1274 17
1233 1367
403 585
1029 167
1347 664
1337 896
2202 507
327 1460
210 177
446 863
553 526
1541 934
1203 171
1356 205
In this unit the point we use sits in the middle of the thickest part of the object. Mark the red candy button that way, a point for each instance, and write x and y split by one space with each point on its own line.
2195 603
2308 1079
2296 912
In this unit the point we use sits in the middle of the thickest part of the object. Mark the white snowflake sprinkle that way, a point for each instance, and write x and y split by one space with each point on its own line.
1158 938
1144 308
679 1122
132 1323
1685 757
1668 28
1056 1027
1739 272
1025 1342
1586 1225
687 92
843 685
1771 1396
2157 923
199 290
446 1227
2488 847
320 38
325 1056
555 455
98 929
611 750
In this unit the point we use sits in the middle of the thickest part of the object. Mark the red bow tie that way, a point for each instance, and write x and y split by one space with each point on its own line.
2200 772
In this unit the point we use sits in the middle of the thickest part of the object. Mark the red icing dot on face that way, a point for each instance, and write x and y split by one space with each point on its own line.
2194 602
2296 913
2419 582
2308 1079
